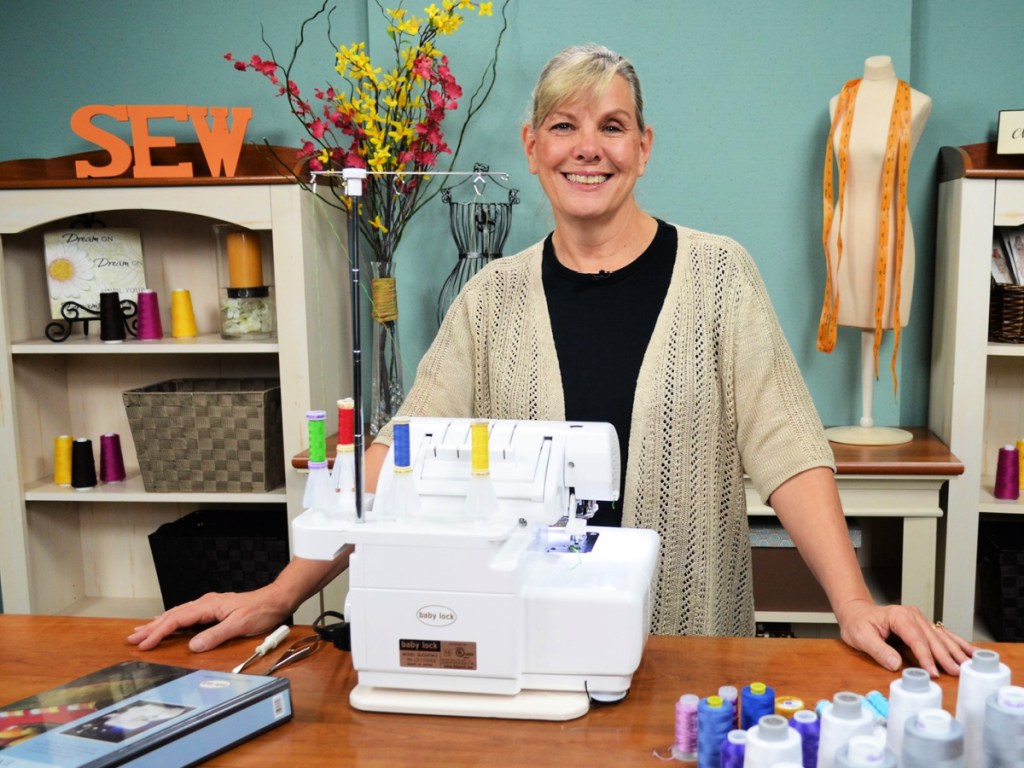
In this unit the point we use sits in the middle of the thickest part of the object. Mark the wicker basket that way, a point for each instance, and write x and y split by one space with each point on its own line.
1006 313
219 435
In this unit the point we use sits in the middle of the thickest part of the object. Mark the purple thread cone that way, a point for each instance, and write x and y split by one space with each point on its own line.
111 460
1007 474
149 326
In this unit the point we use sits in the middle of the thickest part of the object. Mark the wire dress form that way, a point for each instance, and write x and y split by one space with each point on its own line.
479 228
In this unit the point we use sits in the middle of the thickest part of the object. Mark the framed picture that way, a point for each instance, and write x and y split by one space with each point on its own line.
1013 245
83 263
1002 271
1010 133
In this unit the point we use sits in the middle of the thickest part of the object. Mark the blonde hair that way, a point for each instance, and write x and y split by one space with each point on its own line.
579 70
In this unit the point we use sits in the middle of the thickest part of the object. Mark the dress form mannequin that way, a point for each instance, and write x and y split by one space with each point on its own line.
855 273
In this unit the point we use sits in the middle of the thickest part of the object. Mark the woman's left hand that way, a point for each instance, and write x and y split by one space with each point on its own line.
866 626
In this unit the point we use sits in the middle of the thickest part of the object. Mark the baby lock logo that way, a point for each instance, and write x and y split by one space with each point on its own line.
436 615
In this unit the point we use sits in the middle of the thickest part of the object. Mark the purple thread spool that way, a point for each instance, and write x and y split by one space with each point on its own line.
149 325
1007 474
111 459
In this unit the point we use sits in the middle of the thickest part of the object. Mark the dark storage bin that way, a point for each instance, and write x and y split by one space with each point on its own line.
219 550
1001 579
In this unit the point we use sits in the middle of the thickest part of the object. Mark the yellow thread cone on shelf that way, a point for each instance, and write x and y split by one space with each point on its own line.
62 459
183 319
1020 460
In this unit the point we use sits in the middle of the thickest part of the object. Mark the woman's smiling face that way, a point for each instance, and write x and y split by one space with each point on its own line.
588 153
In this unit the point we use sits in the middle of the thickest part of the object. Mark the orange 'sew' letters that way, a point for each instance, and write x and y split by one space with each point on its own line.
221 144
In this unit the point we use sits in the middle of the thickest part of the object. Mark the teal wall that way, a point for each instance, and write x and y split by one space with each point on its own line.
737 94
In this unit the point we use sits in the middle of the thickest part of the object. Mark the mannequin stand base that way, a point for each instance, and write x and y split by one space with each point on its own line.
868 435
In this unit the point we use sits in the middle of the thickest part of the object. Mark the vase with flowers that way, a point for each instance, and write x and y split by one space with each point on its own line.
388 120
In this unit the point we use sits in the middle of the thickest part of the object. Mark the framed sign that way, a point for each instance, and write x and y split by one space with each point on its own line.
83 263
1010 139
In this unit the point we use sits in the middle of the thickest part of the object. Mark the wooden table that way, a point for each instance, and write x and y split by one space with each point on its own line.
40 652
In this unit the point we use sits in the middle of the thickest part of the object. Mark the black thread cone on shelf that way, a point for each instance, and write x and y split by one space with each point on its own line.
112 328
83 464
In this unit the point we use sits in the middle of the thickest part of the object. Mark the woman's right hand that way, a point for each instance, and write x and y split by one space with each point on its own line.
237 614
232 614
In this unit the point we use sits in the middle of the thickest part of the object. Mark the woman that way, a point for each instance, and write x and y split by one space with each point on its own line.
668 334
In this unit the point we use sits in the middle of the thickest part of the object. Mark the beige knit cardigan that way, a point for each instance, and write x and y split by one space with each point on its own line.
718 393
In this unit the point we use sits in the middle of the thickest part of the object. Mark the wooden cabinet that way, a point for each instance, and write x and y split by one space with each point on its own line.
977 386
86 552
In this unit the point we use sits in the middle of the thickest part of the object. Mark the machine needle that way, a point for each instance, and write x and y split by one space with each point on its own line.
272 641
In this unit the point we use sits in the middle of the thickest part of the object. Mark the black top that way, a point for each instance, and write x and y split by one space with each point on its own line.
601 325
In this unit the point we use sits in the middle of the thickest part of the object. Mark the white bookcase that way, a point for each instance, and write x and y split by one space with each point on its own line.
977 386
87 552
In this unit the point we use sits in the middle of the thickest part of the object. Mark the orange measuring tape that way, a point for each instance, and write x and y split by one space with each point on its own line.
895 175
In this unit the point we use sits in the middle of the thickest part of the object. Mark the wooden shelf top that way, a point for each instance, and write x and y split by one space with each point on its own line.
979 161
257 164
924 455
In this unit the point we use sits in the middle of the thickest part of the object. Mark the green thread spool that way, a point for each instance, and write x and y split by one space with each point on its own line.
317 436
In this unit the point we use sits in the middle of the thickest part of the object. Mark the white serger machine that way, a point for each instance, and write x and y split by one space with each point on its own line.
526 613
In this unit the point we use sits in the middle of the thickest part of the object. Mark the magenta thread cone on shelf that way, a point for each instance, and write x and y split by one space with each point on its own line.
111 459
149 325
1007 484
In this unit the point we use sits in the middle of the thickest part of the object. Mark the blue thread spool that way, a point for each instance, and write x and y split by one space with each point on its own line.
401 443
733 749
806 723
878 703
756 701
714 721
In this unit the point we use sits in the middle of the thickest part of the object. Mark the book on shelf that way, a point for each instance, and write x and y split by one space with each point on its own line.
140 713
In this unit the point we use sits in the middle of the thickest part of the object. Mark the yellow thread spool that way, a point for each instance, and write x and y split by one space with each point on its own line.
479 457
62 459
787 706
1020 462
183 319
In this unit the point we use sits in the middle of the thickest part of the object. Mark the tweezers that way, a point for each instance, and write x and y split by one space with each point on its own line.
297 651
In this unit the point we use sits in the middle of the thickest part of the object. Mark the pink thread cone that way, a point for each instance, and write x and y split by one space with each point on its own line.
111 459
149 326
1007 470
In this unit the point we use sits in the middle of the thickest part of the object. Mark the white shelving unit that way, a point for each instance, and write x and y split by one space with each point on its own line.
87 552
977 387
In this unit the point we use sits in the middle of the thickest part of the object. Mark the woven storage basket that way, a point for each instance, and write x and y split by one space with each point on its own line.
219 550
220 435
1001 579
1006 313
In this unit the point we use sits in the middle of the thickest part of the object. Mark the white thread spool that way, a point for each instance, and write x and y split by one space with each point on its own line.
863 751
772 743
908 695
844 718
933 739
980 676
1002 745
